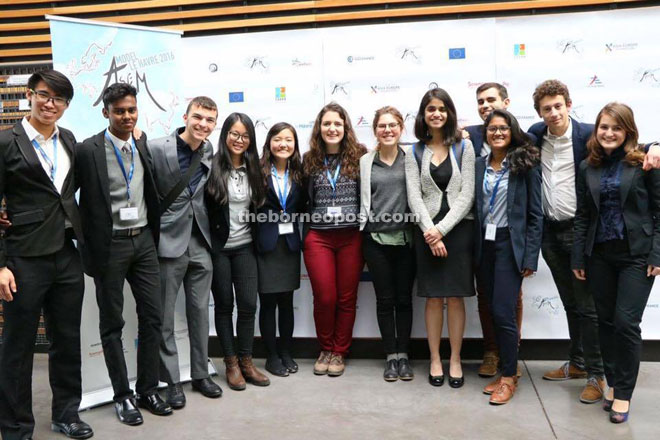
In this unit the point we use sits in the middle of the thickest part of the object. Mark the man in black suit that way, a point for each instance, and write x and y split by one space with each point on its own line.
39 264
120 214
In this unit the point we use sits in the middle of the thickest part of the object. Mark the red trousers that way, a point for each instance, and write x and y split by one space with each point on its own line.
334 264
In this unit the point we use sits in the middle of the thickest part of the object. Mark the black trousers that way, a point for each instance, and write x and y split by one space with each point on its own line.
584 351
392 269
621 289
132 259
235 269
55 283
283 303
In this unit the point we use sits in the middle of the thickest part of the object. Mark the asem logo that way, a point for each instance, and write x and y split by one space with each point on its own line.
519 50
457 53
236 97
339 87
362 122
280 93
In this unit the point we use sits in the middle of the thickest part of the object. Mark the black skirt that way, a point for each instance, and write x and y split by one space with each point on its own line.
439 277
279 270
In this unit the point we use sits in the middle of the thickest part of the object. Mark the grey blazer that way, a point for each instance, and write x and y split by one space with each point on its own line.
177 222
425 198
366 162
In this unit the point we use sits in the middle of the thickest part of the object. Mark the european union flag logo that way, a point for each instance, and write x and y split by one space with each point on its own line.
236 97
457 53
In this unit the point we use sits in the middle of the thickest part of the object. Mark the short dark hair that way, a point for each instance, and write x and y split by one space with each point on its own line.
504 94
59 83
204 102
551 87
449 130
117 91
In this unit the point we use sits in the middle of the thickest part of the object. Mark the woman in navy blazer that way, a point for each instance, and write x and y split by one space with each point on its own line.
617 245
507 234
278 244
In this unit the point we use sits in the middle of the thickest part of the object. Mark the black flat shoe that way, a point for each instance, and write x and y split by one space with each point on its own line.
391 373
456 382
289 363
174 396
405 370
127 412
437 381
207 387
77 430
276 367
154 403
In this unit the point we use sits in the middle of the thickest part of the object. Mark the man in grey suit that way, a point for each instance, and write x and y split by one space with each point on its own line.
182 163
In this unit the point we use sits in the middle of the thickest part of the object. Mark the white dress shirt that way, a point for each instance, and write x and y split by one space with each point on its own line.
47 145
558 170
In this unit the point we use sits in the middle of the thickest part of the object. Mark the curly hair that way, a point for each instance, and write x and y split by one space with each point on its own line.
350 150
551 87
387 110
625 118
294 162
450 132
521 155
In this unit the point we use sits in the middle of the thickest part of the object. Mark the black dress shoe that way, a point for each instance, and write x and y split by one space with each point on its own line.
128 413
174 396
76 430
155 404
405 370
456 382
436 381
276 367
391 373
207 387
289 363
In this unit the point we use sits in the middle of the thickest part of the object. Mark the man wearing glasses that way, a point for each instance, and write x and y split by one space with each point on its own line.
39 264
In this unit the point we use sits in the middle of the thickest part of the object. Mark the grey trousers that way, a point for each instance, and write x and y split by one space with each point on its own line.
193 269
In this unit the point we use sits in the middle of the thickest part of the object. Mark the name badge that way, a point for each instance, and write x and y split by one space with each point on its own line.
491 230
334 210
285 228
130 213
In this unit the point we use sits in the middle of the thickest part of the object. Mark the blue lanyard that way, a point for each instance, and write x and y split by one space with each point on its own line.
491 203
120 161
51 163
332 179
282 195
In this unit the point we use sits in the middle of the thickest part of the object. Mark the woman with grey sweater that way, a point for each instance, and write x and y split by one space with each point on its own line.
440 186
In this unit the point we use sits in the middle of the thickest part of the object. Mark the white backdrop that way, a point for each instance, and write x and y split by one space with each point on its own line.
289 75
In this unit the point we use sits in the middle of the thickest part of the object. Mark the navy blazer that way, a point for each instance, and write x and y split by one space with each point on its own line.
580 135
267 232
477 137
524 212
640 199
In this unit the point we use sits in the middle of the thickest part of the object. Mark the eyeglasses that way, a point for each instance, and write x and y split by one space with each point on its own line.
492 129
234 136
391 126
44 97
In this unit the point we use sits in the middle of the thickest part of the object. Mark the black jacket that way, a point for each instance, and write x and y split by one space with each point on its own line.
267 232
95 207
35 208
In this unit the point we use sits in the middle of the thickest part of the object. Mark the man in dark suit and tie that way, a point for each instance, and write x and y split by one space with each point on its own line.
120 215
182 163
39 264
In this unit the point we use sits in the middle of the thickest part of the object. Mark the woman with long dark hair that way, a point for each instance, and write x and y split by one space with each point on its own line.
234 190
507 234
440 184
617 245
278 244
333 245
387 239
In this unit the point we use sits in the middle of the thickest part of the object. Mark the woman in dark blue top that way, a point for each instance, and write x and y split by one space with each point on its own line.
507 234
617 245
278 244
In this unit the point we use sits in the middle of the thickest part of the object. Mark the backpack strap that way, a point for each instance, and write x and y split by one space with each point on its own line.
458 153
418 153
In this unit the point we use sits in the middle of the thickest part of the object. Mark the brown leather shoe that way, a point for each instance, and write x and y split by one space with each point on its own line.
337 365
504 391
251 374
518 371
593 391
488 368
491 387
235 378
565 372
322 363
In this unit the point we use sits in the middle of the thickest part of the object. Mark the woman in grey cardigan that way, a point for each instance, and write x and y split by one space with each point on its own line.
440 185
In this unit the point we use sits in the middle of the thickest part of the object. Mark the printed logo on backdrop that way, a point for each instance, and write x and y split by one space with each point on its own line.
619 47
260 123
410 116
339 88
519 50
547 304
653 306
305 125
649 77
236 97
387 88
409 54
577 112
89 61
359 58
280 93
257 64
567 47
362 122
594 81
213 67
433 85
297 62
475 85
457 53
